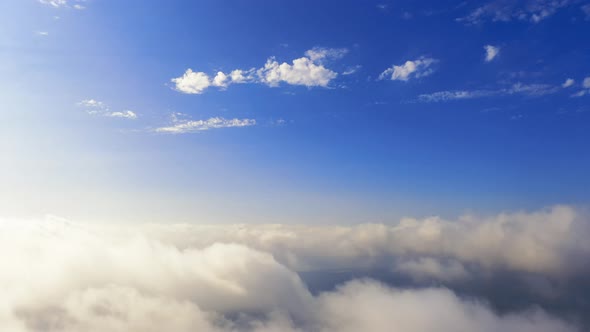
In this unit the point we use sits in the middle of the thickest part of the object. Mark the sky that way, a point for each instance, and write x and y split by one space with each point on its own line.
294 166
337 111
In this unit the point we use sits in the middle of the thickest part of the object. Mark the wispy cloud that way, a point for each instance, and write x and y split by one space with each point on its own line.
491 52
505 11
99 108
351 70
568 82
532 90
420 67
586 88
75 4
184 126
309 71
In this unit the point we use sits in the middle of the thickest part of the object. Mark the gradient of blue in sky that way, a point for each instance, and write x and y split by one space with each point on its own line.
402 108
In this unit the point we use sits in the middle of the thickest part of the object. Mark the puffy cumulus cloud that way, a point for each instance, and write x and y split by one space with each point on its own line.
505 11
192 82
410 69
367 306
303 71
491 52
64 277
183 126
309 71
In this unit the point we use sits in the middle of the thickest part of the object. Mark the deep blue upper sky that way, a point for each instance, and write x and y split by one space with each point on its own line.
100 118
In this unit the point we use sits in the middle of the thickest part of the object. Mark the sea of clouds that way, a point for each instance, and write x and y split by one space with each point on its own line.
522 271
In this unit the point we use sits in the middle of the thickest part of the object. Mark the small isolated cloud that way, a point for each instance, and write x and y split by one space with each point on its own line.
586 90
491 52
351 70
568 82
533 11
530 90
420 67
42 33
98 108
309 71
124 114
185 126
92 103
586 10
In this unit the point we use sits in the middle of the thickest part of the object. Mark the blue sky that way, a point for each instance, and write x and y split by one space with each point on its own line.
324 112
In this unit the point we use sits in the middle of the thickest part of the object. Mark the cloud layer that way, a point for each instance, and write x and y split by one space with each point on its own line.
61 276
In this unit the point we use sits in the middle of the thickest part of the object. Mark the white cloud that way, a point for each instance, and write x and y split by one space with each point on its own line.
351 70
220 80
92 103
77 4
308 71
455 95
568 82
505 11
491 52
64 277
530 90
98 108
192 82
124 114
242 76
42 33
303 71
537 242
317 54
179 126
410 69
54 3
586 90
